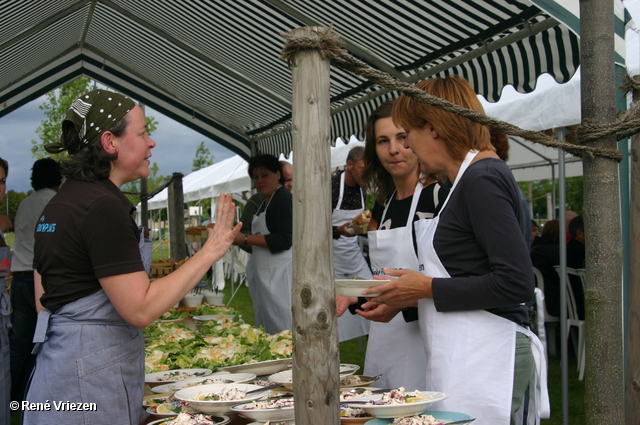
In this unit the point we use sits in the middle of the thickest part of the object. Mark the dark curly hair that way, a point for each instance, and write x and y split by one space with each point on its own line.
5 166
45 174
267 161
90 162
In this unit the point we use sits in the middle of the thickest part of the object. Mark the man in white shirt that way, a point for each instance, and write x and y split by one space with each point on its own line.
45 180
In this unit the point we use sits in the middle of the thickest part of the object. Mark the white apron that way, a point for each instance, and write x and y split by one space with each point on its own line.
470 354
271 285
348 259
395 349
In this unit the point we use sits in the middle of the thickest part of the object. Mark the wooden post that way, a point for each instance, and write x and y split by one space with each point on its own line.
633 332
316 381
177 240
604 372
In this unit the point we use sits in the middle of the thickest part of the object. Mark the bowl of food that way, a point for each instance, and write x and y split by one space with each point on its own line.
171 376
275 409
397 402
353 381
216 378
353 415
285 377
193 418
169 409
266 367
155 399
354 287
218 398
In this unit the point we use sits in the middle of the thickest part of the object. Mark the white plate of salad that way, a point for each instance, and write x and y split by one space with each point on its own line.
189 418
171 376
266 367
215 378
397 402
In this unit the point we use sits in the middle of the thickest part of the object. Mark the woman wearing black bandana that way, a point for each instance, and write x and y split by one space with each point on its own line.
96 294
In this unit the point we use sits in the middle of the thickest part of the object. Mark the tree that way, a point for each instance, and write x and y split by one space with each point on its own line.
203 157
10 203
55 109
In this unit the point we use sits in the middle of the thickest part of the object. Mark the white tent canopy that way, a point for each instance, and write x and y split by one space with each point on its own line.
231 176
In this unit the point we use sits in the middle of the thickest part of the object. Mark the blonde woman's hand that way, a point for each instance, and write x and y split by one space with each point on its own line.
221 236
403 290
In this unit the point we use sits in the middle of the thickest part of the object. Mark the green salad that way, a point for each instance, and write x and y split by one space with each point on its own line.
174 314
217 343
210 309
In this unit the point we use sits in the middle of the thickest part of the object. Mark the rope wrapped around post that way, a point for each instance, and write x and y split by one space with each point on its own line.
331 47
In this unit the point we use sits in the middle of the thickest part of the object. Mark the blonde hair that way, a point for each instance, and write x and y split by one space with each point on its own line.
459 134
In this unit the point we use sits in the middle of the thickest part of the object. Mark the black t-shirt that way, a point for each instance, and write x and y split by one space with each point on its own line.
431 197
479 242
85 232
279 220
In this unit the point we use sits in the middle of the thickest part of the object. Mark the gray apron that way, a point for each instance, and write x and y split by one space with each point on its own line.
5 325
87 353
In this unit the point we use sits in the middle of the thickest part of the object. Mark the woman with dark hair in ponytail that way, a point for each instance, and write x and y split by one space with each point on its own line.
93 292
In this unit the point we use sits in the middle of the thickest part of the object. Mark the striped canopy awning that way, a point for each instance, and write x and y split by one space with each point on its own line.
214 65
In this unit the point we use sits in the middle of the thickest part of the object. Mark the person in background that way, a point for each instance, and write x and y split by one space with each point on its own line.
253 203
475 267
403 196
535 233
544 255
93 293
45 180
287 174
347 201
5 311
568 216
576 260
270 242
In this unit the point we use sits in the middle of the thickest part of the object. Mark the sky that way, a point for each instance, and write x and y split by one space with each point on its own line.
175 148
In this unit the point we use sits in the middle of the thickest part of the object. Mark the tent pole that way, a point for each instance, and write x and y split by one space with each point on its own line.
564 355
316 355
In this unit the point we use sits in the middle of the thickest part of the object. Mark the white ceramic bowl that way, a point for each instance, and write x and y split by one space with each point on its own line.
395 410
217 420
354 287
213 298
154 379
231 378
285 377
263 415
217 407
192 300
266 367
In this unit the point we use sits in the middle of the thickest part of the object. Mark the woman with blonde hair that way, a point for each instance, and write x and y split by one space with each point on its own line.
475 272
403 196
